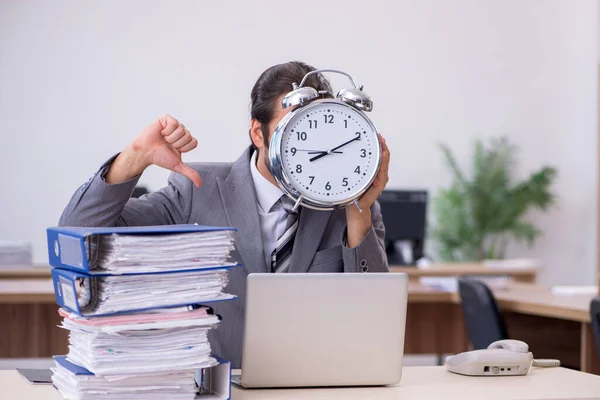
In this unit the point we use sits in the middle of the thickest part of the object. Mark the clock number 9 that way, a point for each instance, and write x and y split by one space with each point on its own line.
327 186
301 135
293 150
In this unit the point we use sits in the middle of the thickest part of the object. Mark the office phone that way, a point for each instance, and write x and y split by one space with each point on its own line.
501 358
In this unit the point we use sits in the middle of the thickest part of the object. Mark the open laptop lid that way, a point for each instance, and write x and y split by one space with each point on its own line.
324 329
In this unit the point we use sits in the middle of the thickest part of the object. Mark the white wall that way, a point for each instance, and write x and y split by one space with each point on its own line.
78 80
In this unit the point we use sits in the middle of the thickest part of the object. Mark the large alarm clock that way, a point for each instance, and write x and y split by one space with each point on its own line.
325 153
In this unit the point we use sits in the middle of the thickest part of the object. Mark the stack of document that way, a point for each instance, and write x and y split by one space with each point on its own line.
131 344
123 352
76 383
15 253
118 293
119 254
135 305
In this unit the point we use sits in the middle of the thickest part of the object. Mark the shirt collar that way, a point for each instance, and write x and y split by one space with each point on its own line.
266 193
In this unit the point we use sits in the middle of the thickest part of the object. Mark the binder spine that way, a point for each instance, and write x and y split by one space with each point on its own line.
65 291
216 379
67 251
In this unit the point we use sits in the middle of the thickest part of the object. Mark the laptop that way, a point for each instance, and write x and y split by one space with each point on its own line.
323 329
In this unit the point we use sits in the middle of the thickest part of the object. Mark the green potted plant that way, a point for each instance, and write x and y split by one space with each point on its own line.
477 215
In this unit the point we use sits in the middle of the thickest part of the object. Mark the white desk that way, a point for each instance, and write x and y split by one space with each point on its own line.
422 383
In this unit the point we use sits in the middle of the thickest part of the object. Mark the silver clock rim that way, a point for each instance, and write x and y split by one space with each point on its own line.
283 179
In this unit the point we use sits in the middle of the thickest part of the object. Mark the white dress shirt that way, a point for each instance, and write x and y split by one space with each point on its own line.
271 214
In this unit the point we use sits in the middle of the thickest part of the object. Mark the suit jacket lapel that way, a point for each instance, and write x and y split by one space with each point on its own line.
311 227
241 207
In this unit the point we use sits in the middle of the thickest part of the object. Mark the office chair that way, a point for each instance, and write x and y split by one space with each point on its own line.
484 322
595 318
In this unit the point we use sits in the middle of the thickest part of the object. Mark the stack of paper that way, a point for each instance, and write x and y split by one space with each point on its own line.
137 329
75 383
575 289
120 254
450 284
131 344
117 293
15 253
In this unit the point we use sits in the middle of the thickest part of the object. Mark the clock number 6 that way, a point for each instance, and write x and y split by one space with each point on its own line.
327 186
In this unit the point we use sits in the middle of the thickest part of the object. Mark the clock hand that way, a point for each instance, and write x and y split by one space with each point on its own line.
318 151
321 152
334 149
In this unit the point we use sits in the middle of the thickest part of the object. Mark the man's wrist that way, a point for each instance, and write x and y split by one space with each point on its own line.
358 225
129 164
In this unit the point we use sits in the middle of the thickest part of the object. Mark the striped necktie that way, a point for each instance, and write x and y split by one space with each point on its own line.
280 258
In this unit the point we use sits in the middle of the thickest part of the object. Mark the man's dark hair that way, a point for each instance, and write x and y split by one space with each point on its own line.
277 81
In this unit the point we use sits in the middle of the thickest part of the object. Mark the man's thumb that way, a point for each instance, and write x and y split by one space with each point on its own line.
189 173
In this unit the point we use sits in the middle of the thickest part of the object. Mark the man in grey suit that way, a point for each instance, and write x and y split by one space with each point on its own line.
242 194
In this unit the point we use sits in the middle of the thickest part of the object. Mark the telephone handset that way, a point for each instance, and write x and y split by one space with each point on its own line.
501 358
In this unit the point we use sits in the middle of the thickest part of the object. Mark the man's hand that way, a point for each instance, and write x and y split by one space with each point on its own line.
360 223
162 144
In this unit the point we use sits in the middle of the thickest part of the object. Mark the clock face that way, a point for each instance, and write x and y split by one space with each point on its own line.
329 152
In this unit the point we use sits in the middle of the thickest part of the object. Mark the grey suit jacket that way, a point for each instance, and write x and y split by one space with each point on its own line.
227 198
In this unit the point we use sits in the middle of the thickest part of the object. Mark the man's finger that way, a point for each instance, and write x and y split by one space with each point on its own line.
386 155
167 120
188 147
189 173
176 135
169 124
183 141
